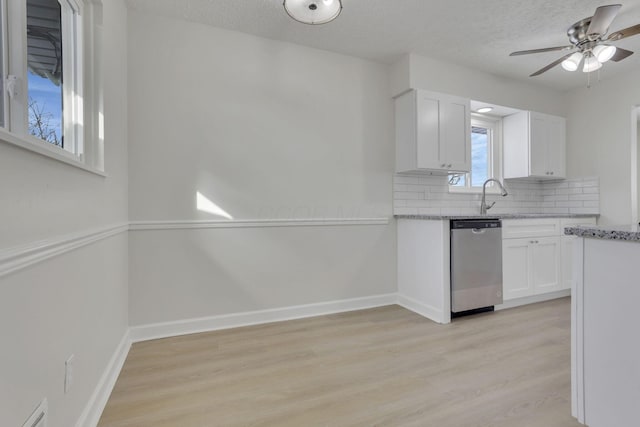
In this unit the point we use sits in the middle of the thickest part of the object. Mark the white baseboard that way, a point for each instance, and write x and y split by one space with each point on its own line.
98 400
533 299
234 320
424 310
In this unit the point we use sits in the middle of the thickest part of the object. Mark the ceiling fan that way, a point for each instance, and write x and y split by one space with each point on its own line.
589 42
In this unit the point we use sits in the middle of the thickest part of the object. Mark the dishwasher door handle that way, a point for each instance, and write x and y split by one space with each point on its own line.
478 230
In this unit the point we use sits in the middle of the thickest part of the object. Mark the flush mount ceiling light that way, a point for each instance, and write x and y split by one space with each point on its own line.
589 40
484 109
313 12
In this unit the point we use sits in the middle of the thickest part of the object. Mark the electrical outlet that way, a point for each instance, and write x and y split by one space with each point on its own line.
68 373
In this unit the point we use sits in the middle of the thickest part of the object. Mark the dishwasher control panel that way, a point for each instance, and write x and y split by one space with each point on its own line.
476 223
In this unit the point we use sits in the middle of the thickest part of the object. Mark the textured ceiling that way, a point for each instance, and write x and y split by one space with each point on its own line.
473 33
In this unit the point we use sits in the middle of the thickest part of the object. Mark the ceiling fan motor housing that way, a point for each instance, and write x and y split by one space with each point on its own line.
578 33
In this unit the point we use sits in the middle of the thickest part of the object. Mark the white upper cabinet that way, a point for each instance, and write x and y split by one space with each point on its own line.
433 132
534 146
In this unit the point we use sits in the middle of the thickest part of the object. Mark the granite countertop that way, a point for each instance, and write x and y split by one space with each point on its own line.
500 216
629 233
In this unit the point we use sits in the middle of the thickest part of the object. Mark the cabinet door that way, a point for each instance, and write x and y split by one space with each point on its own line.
433 132
430 152
545 264
516 268
556 149
515 138
455 134
538 145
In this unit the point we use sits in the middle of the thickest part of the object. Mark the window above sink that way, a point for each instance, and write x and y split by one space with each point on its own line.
486 156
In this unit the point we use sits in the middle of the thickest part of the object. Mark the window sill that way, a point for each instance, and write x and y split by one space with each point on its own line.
47 150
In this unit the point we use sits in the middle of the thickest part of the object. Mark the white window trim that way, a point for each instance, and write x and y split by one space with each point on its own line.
88 140
17 41
4 97
496 154
35 145
72 59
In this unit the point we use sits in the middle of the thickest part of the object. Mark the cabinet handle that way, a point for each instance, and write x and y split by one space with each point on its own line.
444 165
449 165
551 173
533 242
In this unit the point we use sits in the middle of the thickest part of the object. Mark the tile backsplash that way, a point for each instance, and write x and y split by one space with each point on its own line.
429 195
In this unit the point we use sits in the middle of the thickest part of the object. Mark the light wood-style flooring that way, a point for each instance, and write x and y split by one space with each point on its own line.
380 367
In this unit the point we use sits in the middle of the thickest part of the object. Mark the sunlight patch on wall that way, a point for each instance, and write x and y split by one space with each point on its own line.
205 205
101 126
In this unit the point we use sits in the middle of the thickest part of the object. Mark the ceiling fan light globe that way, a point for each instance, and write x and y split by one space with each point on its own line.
604 52
313 12
591 63
573 62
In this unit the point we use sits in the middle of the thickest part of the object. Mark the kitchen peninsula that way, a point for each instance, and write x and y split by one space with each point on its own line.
605 365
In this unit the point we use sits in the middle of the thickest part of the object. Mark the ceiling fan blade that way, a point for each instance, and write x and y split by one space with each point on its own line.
602 19
627 32
621 54
550 66
546 49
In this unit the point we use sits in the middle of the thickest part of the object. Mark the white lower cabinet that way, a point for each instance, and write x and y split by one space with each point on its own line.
530 266
537 256
423 268
536 263
516 273
545 263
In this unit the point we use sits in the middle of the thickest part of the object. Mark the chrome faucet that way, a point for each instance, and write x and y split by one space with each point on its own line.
483 206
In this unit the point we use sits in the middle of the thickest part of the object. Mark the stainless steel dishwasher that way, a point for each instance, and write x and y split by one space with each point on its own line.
476 265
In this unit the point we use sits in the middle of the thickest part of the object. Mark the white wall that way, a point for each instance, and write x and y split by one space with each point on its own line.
183 274
637 167
265 130
599 141
419 72
74 303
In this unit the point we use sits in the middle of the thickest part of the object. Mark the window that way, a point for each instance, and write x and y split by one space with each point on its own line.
485 156
43 107
45 70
